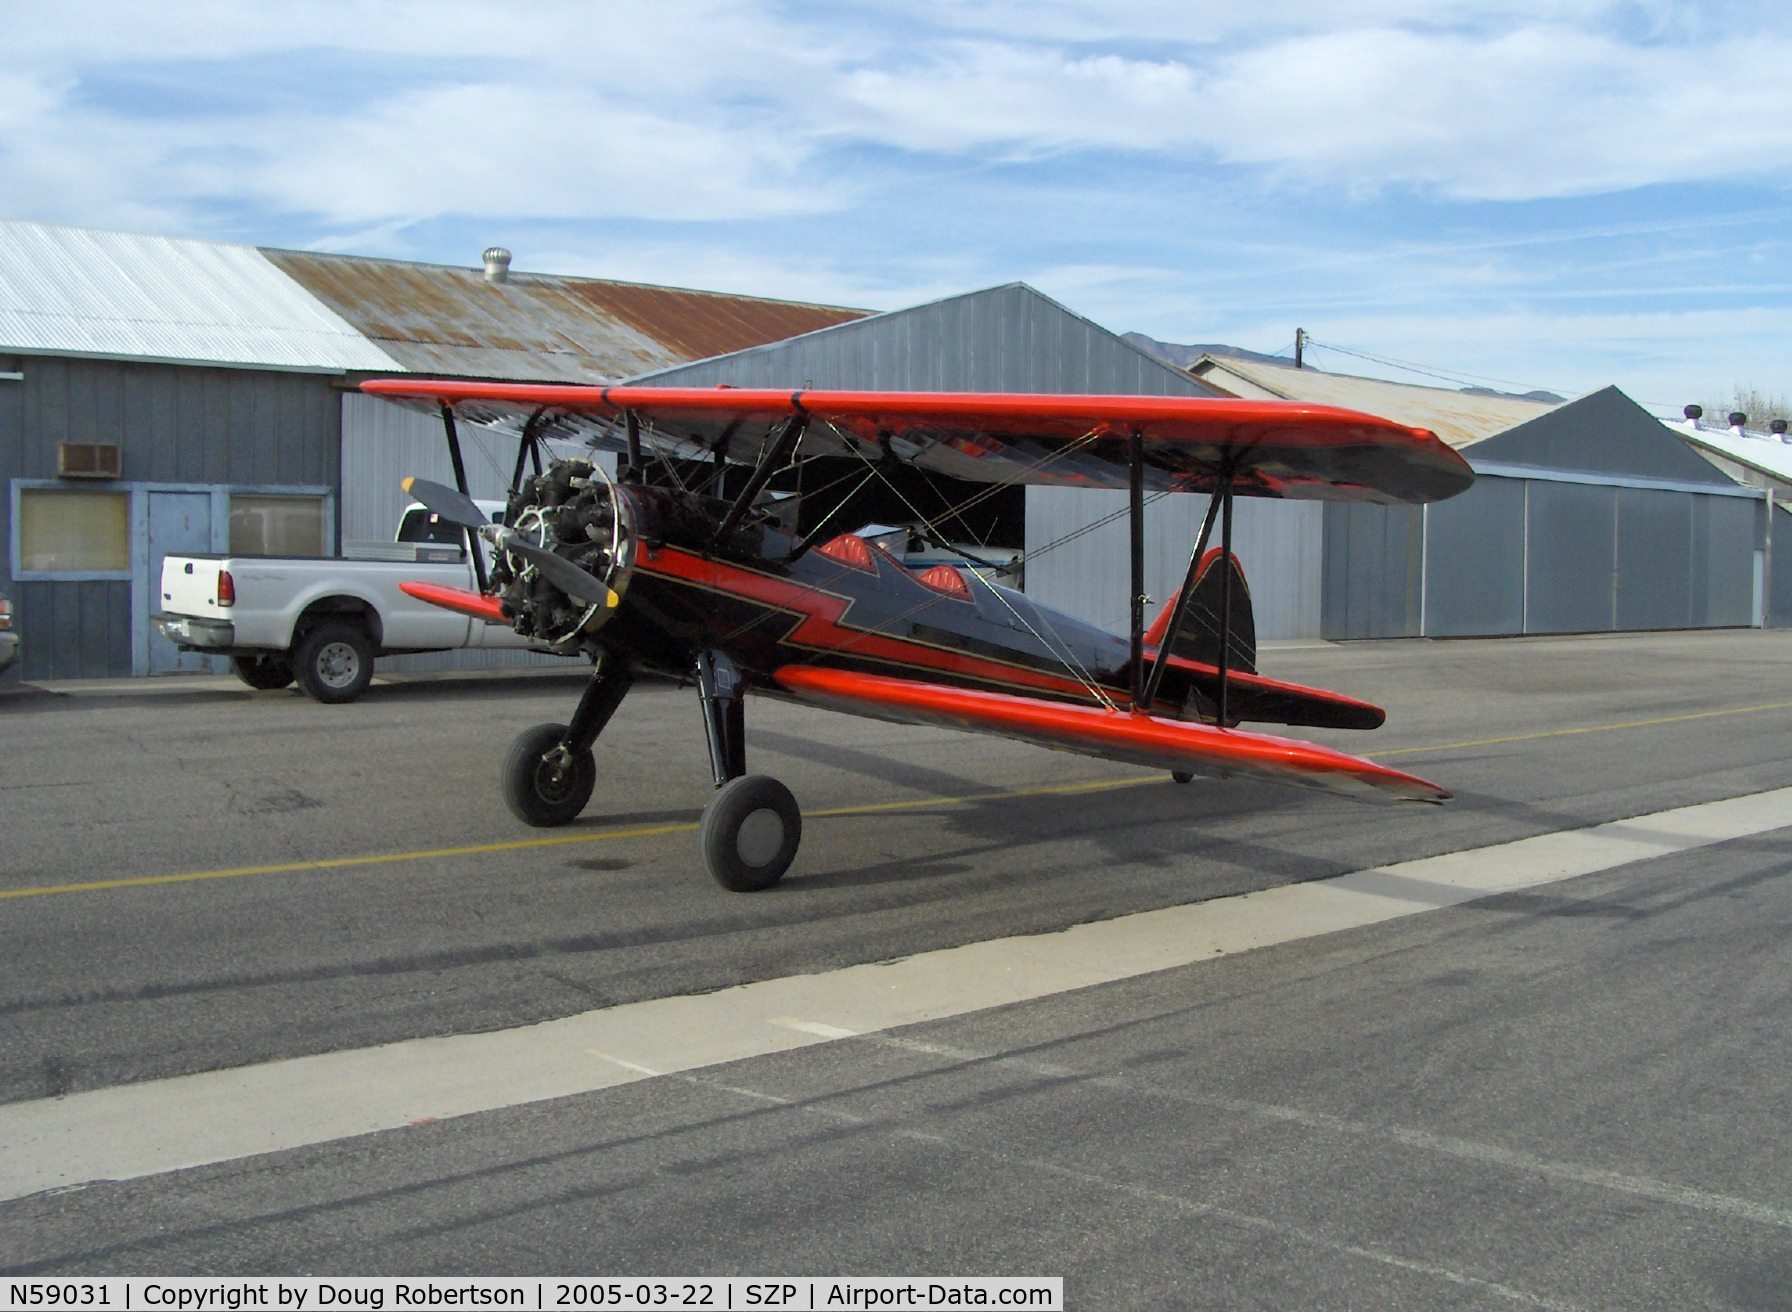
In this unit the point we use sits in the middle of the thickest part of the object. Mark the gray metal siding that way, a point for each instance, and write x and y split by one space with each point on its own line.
1474 568
1278 543
1005 339
1570 558
1725 534
174 424
1779 596
1654 584
1373 568
73 630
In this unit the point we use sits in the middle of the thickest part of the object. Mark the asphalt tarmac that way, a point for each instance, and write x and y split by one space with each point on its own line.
1570 1096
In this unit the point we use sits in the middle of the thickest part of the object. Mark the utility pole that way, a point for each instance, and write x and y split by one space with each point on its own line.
1300 342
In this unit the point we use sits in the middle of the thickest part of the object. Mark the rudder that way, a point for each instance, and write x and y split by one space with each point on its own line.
1198 636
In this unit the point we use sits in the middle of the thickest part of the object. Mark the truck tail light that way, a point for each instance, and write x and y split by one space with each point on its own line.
226 588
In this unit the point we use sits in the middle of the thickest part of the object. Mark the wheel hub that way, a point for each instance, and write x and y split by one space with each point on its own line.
761 835
337 665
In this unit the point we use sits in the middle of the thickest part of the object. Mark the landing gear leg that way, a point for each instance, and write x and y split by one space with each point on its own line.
752 826
549 772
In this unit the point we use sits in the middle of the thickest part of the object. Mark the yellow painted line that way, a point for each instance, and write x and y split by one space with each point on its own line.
558 840
1589 728
869 808
341 862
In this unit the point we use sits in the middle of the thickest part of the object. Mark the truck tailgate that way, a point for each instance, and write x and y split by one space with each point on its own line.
190 586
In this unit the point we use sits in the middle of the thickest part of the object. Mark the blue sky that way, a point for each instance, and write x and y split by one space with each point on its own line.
1534 193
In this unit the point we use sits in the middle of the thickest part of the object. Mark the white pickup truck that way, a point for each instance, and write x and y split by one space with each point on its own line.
321 621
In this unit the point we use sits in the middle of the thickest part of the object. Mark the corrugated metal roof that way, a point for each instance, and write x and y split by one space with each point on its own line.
1761 452
81 291
441 319
1459 418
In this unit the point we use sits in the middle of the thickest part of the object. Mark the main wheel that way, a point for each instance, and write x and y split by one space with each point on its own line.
543 785
262 672
334 661
1182 776
750 833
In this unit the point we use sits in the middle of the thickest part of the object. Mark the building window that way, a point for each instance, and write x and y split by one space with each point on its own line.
66 532
262 525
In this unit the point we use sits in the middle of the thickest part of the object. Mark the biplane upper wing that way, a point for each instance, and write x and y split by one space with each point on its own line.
1188 444
1136 739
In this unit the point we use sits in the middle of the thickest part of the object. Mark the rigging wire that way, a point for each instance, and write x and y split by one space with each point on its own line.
1068 657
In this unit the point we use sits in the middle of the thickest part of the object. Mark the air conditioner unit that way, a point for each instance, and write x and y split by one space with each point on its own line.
88 460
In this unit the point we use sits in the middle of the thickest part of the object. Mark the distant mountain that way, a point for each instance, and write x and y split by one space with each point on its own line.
1538 395
1182 356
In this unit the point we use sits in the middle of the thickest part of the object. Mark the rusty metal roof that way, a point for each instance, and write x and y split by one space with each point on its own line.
442 319
1459 418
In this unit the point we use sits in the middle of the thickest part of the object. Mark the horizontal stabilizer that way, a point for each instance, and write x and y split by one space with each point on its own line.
1252 698
1143 740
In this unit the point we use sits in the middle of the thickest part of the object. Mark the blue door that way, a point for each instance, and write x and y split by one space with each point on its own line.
180 524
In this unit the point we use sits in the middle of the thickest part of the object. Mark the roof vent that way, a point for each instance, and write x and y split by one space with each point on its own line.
1694 412
497 264
1738 420
1778 429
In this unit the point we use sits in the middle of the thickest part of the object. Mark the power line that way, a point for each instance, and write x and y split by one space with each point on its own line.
1421 369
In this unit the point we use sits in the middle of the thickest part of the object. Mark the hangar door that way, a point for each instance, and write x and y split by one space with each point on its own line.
1780 605
1571 532
1516 555
1599 558
1475 561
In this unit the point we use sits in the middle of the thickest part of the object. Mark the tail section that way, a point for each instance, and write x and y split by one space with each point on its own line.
1197 638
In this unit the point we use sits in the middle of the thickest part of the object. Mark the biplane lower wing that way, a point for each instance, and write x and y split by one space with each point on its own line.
1142 740
480 605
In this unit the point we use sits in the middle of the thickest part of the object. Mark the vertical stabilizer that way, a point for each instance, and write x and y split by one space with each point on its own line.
1198 638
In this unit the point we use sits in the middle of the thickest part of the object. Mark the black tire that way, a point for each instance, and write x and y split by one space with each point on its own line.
534 791
333 662
1182 776
264 673
750 833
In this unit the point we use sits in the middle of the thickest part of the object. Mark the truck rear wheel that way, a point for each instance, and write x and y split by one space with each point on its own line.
333 662
263 672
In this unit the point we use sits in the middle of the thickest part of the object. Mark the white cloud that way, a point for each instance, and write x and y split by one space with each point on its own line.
684 109
1396 167
1536 112
546 151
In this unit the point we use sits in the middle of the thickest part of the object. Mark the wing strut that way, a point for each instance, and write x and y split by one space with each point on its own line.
1225 493
475 552
632 421
1182 600
769 464
528 447
1220 502
1135 520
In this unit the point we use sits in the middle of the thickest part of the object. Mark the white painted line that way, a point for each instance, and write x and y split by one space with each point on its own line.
144 1129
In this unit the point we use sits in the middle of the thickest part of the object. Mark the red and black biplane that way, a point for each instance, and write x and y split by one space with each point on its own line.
642 574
